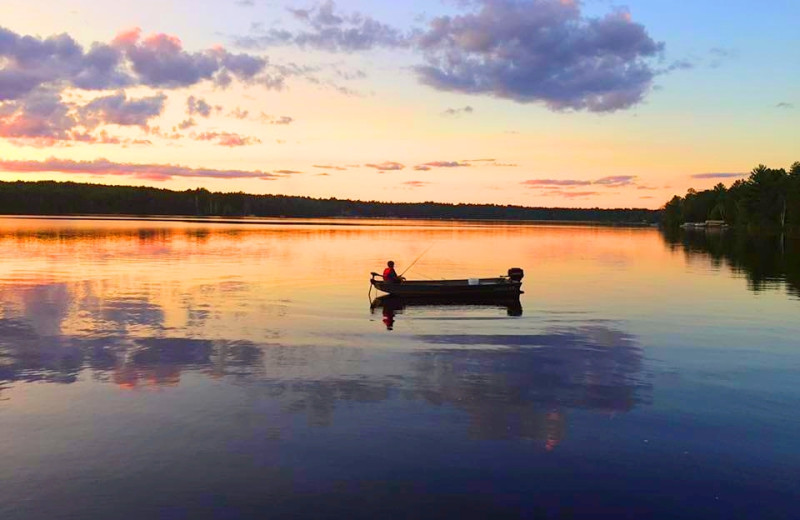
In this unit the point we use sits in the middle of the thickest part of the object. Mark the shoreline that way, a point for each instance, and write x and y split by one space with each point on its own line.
331 221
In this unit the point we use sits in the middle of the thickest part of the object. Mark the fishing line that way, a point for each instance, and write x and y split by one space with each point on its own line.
417 260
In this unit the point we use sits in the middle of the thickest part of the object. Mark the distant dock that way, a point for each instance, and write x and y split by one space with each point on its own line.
708 224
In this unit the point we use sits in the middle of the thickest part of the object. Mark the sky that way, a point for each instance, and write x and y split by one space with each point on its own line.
559 103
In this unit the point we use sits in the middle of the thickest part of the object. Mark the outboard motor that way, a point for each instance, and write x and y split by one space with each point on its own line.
516 274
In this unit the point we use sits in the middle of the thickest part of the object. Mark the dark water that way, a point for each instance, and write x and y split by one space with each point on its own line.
180 370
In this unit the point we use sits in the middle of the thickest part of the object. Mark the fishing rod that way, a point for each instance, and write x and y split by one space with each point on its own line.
415 261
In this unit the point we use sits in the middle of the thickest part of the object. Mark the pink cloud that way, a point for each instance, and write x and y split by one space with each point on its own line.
228 139
36 71
540 183
616 181
387 166
574 194
447 164
158 172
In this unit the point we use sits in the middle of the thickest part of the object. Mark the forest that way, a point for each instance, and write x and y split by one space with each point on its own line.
768 199
70 198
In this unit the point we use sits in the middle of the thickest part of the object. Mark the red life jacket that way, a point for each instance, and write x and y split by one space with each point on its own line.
389 274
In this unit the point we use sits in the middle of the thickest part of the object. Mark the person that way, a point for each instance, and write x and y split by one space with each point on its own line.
390 275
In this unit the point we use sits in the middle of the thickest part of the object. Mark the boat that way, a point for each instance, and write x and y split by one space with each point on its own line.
507 285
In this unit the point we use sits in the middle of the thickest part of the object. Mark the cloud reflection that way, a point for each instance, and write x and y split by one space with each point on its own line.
510 386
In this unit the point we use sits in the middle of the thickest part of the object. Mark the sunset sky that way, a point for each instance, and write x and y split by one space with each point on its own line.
532 102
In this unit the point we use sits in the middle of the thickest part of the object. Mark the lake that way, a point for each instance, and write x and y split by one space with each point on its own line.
170 369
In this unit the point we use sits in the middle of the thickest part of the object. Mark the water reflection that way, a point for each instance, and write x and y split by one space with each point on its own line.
519 386
510 386
129 362
140 307
768 262
270 369
391 306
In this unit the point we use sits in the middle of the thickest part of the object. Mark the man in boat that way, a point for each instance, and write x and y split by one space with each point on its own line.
390 275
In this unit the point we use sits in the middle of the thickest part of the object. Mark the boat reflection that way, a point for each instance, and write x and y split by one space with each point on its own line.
391 306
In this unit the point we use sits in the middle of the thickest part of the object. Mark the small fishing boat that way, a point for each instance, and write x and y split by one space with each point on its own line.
508 285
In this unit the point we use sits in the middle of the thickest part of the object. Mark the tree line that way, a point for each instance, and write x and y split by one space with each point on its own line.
70 198
769 199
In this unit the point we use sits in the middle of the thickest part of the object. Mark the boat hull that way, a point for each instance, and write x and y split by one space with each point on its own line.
483 287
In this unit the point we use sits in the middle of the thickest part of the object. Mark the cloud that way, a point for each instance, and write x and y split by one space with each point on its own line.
30 62
153 172
720 55
422 168
455 112
238 113
329 167
540 51
479 160
157 132
186 124
229 139
677 65
416 184
718 175
40 119
529 51
283 120
345 91
275 120
784 105
103 137
35 71
158 60
446 164
286 172
546 183
616 181
117 109
387 166
325 29
197 106
572 194
43 118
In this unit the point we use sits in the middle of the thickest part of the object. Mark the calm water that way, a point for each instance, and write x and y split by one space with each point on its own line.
196 370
